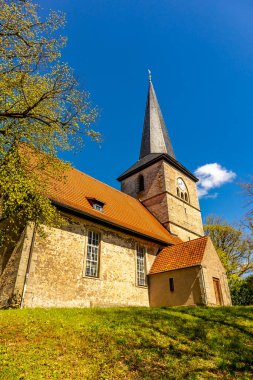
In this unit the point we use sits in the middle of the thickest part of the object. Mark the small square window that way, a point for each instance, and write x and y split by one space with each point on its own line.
96 204
97 207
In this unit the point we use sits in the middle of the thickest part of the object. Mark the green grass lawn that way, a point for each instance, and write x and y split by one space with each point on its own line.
127 343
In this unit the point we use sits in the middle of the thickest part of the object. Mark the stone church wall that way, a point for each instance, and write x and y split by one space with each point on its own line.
57 272
183 233
187 290
154 196
153 182
213 268
184 217
171 174
160 198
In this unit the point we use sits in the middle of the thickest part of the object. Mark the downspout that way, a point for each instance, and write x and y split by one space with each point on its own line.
203 285
28 266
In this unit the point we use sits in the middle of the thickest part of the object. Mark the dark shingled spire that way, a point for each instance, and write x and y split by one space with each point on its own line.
155 144
155 138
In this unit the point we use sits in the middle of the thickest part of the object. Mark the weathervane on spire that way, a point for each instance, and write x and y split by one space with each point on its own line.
149 75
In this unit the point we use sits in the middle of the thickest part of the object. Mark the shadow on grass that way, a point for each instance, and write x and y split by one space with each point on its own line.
220 321
135 343
229 351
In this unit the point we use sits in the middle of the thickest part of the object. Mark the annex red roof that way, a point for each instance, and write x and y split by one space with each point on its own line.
179 256
119 208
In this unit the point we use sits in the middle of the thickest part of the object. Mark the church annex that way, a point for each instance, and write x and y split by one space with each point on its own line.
141 246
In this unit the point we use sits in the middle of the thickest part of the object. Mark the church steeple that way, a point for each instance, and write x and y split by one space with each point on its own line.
155 138
161 183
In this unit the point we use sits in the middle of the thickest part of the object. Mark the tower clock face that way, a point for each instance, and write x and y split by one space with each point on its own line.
181 184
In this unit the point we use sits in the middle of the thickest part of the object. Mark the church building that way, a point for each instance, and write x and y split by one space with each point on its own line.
141 246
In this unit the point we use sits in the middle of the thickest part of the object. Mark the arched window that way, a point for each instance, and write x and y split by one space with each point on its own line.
185 197
140 183
182 195
178 194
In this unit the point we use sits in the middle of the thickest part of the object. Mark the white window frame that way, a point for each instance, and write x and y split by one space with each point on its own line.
97 207
141 271
93 249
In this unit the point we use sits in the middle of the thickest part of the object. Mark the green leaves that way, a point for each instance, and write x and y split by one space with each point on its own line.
25 40
234 248
23 191
42 111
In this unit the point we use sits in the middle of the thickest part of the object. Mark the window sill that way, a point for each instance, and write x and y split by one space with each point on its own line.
142 286
91 277
181 199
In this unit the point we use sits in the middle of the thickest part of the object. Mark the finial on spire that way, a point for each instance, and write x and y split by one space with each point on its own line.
149 75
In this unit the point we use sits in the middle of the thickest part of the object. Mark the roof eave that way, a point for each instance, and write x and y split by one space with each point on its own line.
164 157
170 270
108 223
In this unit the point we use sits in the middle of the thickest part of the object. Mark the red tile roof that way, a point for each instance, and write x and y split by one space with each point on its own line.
119 209
179 256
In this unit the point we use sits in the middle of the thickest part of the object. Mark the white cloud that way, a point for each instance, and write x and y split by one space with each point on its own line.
211 196
212 176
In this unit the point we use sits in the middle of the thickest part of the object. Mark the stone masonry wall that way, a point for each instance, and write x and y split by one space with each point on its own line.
213 268
154 196
184 217
171 174
153 182
57 270
187 290
160 198
184 234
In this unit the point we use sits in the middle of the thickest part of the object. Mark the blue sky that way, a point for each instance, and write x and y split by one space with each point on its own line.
201 57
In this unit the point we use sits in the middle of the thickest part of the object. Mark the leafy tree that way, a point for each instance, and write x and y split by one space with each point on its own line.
42 111
242 291
233 246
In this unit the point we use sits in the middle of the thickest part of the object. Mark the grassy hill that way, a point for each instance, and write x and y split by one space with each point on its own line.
127 343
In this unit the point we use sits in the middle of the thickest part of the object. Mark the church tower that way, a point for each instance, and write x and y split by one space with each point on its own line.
163 185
